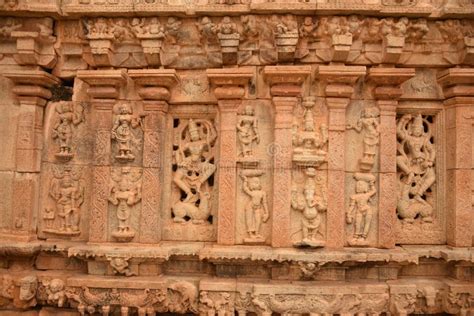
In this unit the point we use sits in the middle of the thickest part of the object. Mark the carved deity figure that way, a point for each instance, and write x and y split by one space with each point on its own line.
125 193
415 162
360 211
68 116
308 142
247 131
369 125
67 191
194 168
256 209
312 203
123 123
226 27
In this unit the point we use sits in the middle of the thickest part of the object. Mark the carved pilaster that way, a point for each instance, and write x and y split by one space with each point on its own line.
31 88
230 87
153 86
458 91
386 91
286 87
104 88
337 86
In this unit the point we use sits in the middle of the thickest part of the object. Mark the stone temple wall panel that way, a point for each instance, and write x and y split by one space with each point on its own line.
249 157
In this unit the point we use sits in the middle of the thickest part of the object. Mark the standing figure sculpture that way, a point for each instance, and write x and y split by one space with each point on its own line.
124 121
68 116
67 191
247 130
415 162
368 123
360 211
256 209
312 203
125 193
194 168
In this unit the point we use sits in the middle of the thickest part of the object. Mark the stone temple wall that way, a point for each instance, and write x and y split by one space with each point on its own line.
225 157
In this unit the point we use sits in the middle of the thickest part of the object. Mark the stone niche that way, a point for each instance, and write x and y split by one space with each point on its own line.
236 157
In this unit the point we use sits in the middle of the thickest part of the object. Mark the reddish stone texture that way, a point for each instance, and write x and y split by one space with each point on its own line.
252 156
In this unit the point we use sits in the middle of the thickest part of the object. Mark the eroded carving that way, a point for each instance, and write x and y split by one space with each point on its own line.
256 209
67 192
69 115
311 202
308 143
124 121
125 192
360 210
368 124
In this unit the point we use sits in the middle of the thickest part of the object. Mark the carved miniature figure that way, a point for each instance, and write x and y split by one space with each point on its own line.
256 209
312 203
27 295
68 116
415 160
124 121
247 131
451 30
194 168
226 27
309 270
137 26
67 191
354 26
208 31
417 29
308 142
9 26
360 211
172 29
307 33
125 193
121 266
55 292
401 27
368 123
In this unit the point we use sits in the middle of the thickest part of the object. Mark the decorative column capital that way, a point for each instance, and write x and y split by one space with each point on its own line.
32 86
338 80
286 81
230 83
154 84
104 84
457 82
387 81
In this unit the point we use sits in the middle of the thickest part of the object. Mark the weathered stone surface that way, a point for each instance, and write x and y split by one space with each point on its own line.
214 157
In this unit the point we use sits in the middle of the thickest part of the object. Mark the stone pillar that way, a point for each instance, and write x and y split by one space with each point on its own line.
337 86
458 88
153 86
104 89
286 88
386 91
31 87
230 87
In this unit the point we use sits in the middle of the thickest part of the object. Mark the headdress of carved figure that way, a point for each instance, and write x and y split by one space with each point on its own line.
308 121
417 126
28 286
193 130
125 108
371 111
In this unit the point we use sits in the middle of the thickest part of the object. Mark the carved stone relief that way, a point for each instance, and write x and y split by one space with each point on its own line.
63 211
125 194
126 142
192 178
